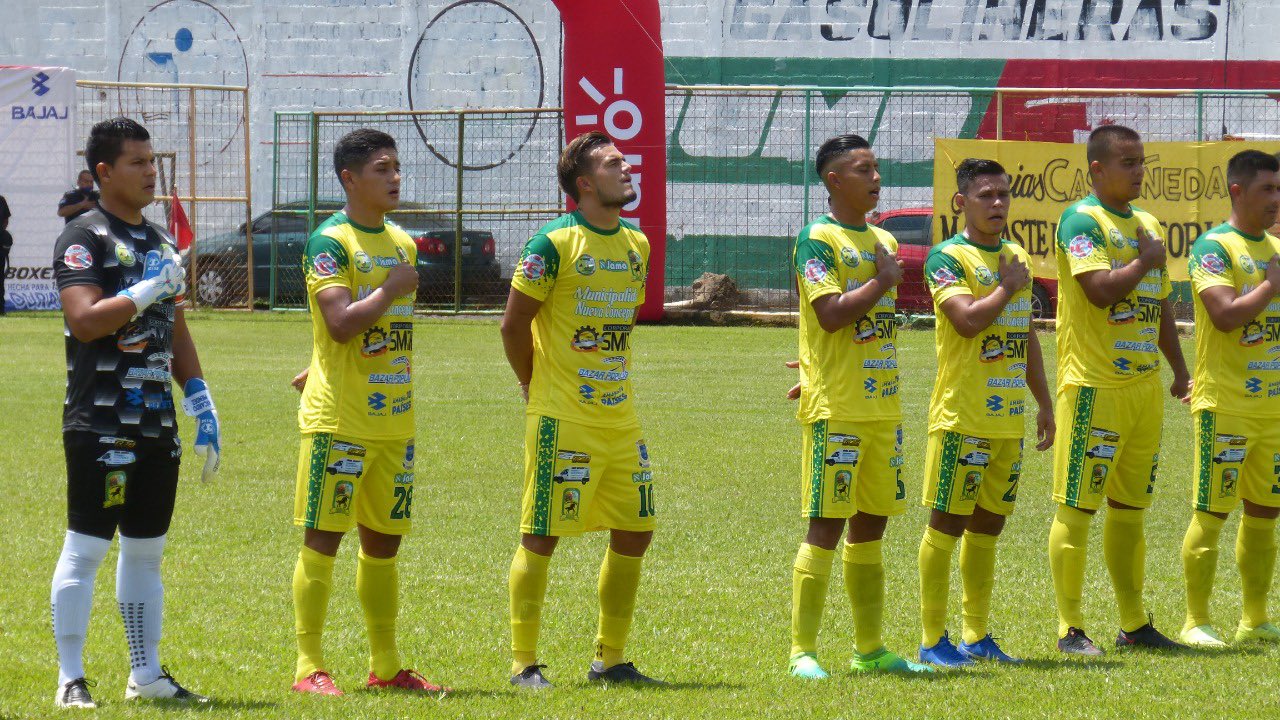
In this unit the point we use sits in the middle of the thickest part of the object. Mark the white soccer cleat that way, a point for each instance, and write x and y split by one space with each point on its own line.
1202 636
75 694
162 688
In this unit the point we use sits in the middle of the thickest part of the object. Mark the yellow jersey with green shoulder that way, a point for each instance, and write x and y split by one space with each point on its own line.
590 282
1236 372
850 374
1117 345
361 388
981 385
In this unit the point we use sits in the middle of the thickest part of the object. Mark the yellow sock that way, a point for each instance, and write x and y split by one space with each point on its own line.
1199 565
1256 558
378 586
312 582
1068 540
864 582
809 578
936 549
528 586
619 584
978 576
1124 545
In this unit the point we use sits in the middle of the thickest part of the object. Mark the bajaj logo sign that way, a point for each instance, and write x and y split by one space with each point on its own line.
38 85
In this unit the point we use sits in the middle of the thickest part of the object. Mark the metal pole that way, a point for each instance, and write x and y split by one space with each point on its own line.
275 202
248 199
457 222
808 144
1200 116
313 183
999 115
191 182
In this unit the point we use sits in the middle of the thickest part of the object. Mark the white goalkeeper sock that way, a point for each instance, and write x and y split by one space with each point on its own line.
71 599
140 595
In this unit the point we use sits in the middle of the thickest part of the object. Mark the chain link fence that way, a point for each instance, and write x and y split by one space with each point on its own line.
741 182
200 137
479 180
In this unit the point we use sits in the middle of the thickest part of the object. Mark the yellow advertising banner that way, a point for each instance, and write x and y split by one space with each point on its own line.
1185 188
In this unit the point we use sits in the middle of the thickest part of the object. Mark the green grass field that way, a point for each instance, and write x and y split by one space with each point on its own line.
714 608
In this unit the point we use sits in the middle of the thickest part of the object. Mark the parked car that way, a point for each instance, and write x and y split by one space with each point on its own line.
913 228
286 227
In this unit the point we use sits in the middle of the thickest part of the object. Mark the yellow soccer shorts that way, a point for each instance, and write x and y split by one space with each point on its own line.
343 481
852 467
962 470
1235 458
580 479
1107 444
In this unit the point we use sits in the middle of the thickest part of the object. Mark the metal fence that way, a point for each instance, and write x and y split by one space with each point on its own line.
200 137
741 182
481 180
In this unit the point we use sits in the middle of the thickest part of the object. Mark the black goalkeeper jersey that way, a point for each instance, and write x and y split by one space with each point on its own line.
120 384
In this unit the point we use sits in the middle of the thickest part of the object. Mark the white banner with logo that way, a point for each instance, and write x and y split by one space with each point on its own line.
37 164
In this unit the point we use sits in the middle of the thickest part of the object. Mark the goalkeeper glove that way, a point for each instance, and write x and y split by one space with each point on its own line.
208 443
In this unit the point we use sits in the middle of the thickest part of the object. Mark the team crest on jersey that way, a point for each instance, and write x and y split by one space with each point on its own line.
815 271
363 262
586 265
1228 486
984 275
943 278
533 267
849 256
1212 263
125 255
325 266
843 480
343 491
114 494
78 257
1246 264
1117 238
969 491
1080 247
1097 478
637 267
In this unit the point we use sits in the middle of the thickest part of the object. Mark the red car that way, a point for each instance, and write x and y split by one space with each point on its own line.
913 228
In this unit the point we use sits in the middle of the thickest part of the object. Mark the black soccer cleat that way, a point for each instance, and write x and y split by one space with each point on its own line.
1147 637
622 673
162 688
531 677
75 694
1077 643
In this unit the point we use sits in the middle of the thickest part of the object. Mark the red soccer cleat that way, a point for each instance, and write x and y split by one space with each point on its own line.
407 680
318 683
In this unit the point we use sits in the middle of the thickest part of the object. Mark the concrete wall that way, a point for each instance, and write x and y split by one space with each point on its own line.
382 54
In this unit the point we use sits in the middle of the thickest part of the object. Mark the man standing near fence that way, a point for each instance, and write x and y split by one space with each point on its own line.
1114 320
78 200
127 341
566 333
355 466
988 357
851 459
1235 273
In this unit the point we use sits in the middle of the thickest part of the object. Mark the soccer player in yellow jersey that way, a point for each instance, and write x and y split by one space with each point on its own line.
988 357
851 458
1235 401
355 467
567 334
1114 321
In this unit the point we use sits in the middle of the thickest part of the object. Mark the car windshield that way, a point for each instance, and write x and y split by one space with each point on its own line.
909 229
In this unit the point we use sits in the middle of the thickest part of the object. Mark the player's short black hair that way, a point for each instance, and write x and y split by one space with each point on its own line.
575 160
354 148
1245 165
82 172
971 169
834 148
1103 140
106 141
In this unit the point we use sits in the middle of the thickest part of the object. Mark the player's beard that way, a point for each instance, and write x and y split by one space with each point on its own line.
620 200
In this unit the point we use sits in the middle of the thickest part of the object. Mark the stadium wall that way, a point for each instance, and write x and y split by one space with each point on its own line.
384 54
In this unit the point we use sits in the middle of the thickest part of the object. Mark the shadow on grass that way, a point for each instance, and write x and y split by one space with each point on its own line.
676 685
214 704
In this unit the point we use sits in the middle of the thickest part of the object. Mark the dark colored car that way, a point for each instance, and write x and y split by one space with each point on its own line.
286 227
913 228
